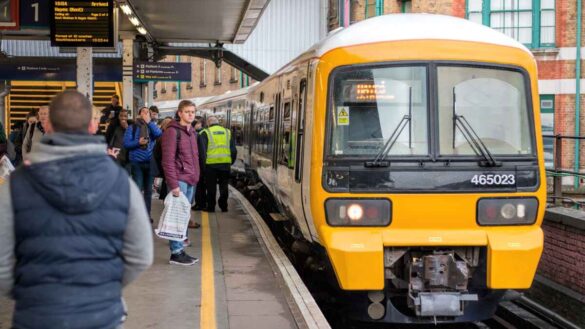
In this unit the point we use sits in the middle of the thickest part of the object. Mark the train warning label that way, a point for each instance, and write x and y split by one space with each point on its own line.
343 115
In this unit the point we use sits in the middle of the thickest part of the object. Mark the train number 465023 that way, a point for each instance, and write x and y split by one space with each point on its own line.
493 179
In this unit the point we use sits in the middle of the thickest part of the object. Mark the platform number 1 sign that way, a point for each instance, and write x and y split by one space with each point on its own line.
34 14
8 15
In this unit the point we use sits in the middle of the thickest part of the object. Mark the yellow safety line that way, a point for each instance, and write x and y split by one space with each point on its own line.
207 280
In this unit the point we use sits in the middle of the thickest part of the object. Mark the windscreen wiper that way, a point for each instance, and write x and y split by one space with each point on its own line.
405 121
472 138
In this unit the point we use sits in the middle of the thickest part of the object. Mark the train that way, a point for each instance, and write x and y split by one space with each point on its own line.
408 149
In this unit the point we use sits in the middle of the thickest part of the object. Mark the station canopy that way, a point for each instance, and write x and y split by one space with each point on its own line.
224 21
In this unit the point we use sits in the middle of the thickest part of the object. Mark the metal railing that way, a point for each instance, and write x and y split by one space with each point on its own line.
558 173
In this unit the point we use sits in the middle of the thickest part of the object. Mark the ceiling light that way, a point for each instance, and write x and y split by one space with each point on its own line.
134 21
141 30
126 9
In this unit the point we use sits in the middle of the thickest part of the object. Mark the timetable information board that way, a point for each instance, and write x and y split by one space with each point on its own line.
82 23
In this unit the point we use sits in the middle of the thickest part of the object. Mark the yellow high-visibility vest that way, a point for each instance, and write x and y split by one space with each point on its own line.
218 145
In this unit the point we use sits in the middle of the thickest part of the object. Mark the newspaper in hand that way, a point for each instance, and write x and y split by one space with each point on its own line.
6 168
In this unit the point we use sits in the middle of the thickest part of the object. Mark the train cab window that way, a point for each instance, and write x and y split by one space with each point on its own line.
490 103
372 106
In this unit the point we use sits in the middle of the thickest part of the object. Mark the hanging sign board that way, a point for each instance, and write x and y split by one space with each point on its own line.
82 23
162 71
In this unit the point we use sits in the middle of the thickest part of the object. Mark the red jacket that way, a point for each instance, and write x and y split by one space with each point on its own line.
180 164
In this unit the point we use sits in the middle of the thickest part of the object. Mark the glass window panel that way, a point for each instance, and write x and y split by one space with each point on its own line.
497 5
497 20
370 104
525 35
547 4
522 4
547 35
474 5
525 19
475 17
547 18
484 96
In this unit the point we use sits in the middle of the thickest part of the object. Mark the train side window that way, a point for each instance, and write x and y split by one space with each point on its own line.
285 129
300 139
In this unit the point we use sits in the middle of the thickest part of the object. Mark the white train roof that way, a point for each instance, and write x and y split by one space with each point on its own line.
230 94
400 27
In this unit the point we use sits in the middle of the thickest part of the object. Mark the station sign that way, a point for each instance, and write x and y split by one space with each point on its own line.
82 23
22 70
163 71
34 14
9 15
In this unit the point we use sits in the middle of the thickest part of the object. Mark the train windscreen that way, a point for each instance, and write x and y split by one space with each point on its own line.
371 106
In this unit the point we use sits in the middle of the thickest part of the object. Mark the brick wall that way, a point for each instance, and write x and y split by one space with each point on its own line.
563 259
209 88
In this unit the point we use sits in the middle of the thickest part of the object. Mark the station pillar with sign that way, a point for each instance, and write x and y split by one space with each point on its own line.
127 75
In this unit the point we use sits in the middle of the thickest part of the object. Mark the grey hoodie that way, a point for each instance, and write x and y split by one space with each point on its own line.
137 251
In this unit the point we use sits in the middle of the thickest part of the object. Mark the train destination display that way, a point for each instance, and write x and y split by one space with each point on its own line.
82 23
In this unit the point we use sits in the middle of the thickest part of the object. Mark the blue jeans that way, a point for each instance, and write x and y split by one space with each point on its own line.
177 246
143 178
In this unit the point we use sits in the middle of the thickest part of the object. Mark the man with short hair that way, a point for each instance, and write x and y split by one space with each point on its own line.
180 162
154 112
219 154
139 140
70 240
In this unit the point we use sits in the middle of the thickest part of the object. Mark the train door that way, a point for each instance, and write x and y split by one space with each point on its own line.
297 156
276 131
249 124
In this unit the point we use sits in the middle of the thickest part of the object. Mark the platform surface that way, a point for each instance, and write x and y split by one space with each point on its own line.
232 286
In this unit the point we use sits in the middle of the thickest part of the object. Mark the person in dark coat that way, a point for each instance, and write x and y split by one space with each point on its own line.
116 143
201 191
70 240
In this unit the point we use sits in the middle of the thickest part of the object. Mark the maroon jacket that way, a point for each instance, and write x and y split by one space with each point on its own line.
182 164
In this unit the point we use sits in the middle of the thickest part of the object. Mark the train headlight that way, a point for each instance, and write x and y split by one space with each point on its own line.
506 211
358 212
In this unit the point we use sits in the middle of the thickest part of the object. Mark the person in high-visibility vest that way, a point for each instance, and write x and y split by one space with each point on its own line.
219 152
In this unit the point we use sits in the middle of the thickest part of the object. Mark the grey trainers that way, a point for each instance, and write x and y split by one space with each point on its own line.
183 259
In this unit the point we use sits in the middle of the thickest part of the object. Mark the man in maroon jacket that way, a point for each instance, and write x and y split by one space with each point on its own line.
180 162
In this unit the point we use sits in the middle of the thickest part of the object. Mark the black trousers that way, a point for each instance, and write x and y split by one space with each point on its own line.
201 192
213 177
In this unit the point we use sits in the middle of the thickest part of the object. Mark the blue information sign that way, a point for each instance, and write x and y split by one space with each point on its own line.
163 71
57 71
34 14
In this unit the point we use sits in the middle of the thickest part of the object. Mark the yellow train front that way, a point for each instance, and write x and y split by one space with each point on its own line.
427 185
407 150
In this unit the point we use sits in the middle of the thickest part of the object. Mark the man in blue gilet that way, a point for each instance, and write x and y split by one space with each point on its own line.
73 228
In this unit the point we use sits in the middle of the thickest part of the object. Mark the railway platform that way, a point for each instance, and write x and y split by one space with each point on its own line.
239 282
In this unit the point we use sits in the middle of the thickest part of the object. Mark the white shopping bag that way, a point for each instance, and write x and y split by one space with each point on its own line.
6 168
175 218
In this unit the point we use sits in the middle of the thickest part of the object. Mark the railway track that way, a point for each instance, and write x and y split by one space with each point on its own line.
525 313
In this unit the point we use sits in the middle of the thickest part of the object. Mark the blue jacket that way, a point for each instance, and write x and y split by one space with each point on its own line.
131 142
69 245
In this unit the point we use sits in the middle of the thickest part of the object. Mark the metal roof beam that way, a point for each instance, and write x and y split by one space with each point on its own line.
216 54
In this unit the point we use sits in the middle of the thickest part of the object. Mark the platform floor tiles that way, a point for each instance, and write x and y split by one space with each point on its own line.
239 289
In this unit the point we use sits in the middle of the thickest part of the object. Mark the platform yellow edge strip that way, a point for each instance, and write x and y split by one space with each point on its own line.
208 320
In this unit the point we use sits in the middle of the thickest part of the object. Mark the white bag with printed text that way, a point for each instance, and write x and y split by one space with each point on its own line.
175 218
6 168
